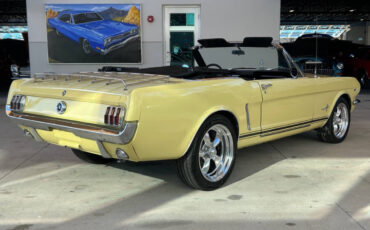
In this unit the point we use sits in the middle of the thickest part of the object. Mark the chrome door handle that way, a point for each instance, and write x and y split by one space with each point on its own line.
265 87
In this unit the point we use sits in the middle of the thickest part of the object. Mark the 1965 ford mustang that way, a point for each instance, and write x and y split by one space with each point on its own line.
92 32
238 95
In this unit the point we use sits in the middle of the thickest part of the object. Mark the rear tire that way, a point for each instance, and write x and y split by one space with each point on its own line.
211 157
91 158
336 128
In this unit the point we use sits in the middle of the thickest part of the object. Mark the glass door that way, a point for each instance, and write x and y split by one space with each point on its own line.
181 26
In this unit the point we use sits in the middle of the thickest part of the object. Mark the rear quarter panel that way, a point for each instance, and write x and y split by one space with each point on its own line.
169 116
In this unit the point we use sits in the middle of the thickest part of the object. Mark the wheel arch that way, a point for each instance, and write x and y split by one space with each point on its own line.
343 95
230 116
215 111
346 97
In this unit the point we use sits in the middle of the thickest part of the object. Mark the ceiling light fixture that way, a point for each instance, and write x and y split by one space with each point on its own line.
291 10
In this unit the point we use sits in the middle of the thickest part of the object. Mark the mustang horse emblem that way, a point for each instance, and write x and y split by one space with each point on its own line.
325 108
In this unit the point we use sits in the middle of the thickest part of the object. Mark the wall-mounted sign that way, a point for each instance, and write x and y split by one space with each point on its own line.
150 18
93 33
12 32
295 31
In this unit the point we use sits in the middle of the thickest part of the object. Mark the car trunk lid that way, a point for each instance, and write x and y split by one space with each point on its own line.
87 95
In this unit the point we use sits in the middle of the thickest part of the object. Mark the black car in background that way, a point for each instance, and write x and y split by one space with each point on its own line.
14 57
321 53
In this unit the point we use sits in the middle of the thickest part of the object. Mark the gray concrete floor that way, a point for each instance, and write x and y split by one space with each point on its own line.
293 183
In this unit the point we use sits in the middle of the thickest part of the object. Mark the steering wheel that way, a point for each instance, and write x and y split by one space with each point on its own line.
215 65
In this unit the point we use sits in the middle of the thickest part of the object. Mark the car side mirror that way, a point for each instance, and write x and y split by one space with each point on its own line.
294 72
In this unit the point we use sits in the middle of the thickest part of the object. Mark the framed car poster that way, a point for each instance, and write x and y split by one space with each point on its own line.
93 33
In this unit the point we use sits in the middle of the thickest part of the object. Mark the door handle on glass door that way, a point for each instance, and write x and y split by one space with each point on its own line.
265 86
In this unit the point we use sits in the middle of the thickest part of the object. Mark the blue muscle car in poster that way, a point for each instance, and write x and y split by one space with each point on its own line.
92 32
93 29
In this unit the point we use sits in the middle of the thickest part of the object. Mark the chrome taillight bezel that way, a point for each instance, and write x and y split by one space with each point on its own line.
114 116
17 103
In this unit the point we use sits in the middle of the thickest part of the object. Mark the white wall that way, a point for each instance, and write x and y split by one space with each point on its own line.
231 19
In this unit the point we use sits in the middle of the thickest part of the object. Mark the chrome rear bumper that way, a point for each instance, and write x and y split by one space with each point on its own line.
123 136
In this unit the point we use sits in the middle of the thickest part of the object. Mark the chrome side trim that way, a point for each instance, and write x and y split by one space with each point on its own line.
103 152
285 130
281 129
248 121
123 136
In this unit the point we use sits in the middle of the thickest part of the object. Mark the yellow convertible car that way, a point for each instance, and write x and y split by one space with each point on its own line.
235 95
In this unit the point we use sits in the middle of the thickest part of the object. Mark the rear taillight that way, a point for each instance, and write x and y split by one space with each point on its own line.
106 116
17 103
114 116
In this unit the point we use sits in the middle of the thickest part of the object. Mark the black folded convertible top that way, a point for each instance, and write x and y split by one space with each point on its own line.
247 42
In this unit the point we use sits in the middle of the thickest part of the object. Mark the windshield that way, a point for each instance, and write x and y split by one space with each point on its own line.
86 17
261 58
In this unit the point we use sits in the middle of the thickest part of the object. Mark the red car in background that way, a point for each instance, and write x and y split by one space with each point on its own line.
361 66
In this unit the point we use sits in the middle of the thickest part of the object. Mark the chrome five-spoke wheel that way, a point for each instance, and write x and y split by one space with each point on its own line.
336 128
216 153
340 120
210 158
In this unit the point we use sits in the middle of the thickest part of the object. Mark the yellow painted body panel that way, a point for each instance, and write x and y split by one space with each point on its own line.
169 113
287 101
176 112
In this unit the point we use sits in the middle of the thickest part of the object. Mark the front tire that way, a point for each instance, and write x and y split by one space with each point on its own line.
91 158
86 47
211 157
336 128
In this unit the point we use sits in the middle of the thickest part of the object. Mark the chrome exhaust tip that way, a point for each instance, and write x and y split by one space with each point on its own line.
27 133
31 132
